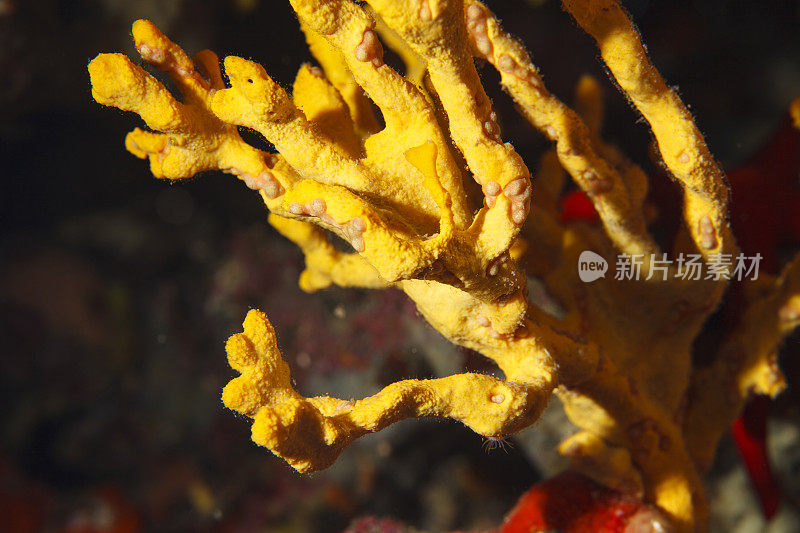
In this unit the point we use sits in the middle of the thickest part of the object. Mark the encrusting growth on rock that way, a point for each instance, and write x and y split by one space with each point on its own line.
619 356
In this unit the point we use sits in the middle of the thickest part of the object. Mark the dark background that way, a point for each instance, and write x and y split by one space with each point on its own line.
118 291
